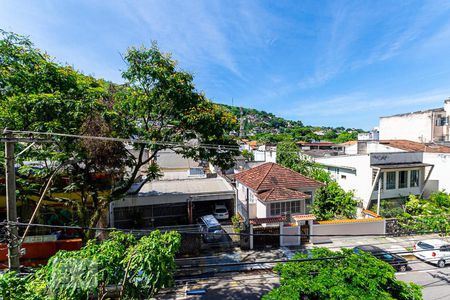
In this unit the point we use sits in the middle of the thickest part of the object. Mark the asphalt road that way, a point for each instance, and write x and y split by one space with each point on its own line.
435 282
252 285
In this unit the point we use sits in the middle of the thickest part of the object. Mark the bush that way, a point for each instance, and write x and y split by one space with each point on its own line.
340 275
331 201
144 266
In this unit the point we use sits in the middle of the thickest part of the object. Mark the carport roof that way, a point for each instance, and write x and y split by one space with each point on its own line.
187 186
400 166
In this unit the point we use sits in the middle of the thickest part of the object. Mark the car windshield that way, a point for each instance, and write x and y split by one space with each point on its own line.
221 210
214 228
387 256
425 246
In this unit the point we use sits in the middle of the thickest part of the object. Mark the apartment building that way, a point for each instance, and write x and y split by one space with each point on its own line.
422 126
380 175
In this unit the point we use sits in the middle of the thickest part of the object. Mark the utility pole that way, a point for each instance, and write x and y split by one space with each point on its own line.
11 207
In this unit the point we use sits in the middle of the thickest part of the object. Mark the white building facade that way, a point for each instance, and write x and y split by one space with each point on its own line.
422 126
400 174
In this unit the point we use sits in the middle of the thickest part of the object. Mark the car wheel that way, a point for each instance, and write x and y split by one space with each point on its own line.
441 263
402 268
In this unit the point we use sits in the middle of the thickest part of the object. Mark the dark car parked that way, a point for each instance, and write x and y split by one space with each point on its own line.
399 263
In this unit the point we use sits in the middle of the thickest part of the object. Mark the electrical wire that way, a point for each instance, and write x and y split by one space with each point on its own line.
409 233
222 147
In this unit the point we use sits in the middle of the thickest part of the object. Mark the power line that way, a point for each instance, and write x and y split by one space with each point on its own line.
223 147
128 140
224 233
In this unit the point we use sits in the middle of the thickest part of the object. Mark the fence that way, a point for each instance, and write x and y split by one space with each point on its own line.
321 229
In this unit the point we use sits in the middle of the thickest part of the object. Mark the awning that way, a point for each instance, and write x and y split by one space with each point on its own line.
259 221
303 217
402 166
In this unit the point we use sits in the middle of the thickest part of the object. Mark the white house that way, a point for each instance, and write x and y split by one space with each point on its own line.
273 191
266 153
422 126
400 174
404 168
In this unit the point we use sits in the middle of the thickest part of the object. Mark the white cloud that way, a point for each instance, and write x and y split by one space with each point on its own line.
359 102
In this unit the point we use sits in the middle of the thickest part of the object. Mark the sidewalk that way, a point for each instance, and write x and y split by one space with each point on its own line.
393 244
229 261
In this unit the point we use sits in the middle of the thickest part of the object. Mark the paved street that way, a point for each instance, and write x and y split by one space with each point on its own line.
254 284
435 281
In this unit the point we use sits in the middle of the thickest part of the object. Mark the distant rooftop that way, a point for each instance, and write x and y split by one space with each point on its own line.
170 160
407 145
187 186
440 109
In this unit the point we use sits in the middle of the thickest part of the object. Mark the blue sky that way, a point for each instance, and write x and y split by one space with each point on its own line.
325 63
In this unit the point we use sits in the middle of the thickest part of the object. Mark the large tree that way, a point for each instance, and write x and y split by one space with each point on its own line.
331 201
157 104
290 156
340 275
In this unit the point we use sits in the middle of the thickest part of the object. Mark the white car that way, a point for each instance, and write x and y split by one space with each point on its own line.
220 212
433 251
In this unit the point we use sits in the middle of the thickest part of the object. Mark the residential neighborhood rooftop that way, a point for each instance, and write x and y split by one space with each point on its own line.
416 146
271 175
186 186
281 194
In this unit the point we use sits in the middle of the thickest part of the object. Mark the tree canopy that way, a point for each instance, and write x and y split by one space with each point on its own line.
340 275
290 156
427 214
140 266
331 201
158 104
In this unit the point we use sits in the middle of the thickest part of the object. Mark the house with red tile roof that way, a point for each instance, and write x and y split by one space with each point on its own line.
270 191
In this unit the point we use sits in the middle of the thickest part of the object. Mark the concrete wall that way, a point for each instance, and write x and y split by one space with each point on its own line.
441 171
395 158
414 126
359 226
290 240
354 173
261 209
263 155
241 196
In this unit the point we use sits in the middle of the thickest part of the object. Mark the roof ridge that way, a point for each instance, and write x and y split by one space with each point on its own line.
267 173
270 193
298 173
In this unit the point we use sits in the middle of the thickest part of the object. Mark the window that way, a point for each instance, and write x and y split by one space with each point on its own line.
275 209
402 179
295 207
390 180
445 248
343 176
414 178
280 208
285 207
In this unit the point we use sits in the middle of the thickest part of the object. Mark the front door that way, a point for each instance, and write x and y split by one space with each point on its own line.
304 231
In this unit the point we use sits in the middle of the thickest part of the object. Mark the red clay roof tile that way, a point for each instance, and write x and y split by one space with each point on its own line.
272 175
415 146
281 194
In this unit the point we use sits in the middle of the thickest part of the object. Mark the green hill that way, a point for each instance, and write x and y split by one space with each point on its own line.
266 127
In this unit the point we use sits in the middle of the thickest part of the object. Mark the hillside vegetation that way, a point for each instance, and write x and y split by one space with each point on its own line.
266 127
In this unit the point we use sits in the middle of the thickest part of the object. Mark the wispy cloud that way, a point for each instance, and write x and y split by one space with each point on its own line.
350 24
200 33
360 102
